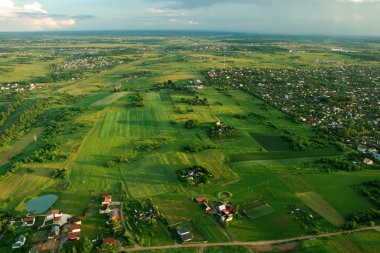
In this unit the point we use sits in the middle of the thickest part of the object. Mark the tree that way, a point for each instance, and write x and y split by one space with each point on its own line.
191 123
85 245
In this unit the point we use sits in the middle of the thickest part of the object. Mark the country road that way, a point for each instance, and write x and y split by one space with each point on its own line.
258 243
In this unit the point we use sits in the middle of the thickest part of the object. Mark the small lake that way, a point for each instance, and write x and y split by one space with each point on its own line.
41 204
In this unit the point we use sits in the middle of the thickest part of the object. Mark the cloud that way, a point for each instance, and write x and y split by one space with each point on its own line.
192 4
360 1
31 16
171 16
165 13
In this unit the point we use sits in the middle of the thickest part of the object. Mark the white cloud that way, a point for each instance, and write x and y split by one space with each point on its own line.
360 1
31 16
164 13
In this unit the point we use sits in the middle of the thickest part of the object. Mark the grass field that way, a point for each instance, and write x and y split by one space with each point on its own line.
360 242
25 184
209 229
322 207
260 211
18 146
109 99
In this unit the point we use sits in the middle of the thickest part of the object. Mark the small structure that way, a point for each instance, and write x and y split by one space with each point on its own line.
111 241
368 161
184 234
73 236
29 221
56 213
206 207
105 209
114 214
219 123
106 200
226 212
57 220
74 228
54 232
200 199
75 220
19 242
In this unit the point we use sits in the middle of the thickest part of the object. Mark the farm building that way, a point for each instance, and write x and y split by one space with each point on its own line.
75 220
75 236
106 200
56 213
29 221
57 220
184 234
74 228
111 241
200 199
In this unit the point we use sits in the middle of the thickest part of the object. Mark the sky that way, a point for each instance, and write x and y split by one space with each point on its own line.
321 17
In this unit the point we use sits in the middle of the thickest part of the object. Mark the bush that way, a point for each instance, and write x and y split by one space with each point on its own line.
191 123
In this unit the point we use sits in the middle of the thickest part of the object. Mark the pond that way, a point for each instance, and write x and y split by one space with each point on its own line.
41 204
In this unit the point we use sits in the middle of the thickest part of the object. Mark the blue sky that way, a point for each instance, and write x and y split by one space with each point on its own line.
331 17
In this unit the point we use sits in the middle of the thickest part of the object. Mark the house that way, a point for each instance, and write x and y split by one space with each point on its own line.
75 236
75 220
29 221
54 232
56 213
200 199
368 161
114 214
105 209
107 199
111 241
206 207
57 220
221 208
74 228
226 212
19 242
184 234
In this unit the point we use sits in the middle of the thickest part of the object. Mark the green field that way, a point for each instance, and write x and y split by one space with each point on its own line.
103 140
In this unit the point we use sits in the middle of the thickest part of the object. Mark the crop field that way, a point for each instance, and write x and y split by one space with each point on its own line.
322 207
341 184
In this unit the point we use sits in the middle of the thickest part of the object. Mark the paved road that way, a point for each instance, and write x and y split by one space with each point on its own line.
259 243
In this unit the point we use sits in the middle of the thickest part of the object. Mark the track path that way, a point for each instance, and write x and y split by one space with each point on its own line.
258 243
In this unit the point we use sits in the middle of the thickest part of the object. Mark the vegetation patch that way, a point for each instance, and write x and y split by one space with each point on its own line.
197 147
194 175
220 130
224 195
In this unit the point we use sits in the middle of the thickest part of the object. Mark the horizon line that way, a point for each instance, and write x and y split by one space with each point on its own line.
226 32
